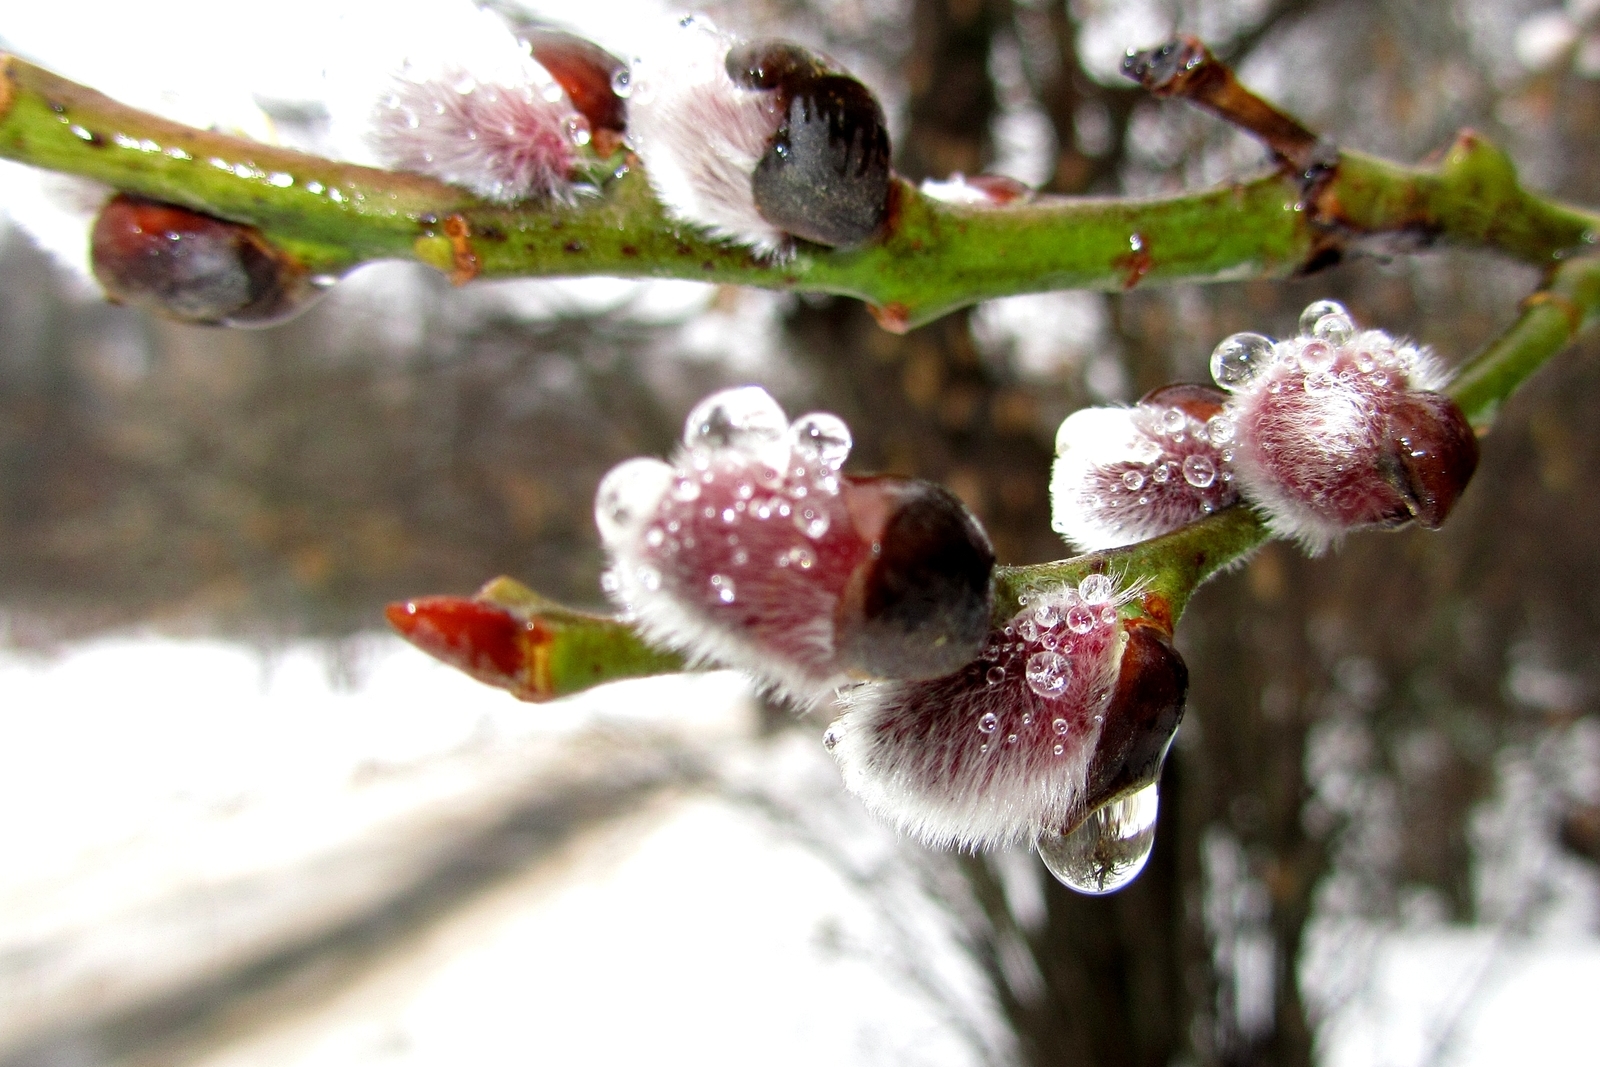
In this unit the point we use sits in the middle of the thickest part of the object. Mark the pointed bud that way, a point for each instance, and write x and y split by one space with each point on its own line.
759 142
1338 429
1067 708
482 639
751 550
194 268
1129 474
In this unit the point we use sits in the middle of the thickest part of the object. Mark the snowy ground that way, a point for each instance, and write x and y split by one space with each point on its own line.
220 858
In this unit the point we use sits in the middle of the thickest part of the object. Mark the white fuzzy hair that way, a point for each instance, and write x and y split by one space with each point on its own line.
1094 510
1004 805
700 135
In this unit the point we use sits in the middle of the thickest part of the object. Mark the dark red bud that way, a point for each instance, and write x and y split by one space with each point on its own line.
485 641
919 605
1434 453
825 175
1199 402
1143 715
193 267
588 74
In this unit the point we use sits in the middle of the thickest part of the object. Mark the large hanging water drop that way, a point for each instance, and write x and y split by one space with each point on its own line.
1110 847
746 418
1240 358
628 497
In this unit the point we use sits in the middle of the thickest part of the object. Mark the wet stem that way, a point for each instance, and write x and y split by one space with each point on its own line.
934 258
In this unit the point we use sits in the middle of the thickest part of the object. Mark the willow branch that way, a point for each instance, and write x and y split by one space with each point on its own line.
934 257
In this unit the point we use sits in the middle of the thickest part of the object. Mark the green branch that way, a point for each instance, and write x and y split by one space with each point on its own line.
934 257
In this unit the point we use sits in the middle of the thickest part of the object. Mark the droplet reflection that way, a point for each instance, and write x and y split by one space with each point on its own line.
1109 849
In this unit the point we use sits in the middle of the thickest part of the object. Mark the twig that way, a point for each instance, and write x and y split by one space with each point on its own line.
935 257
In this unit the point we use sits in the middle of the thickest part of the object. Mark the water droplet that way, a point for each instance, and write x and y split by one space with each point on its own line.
746 418
741 557
1109 849
723 585
609 582
628 497
622 83
1047 615
1220 429
1108 614
812 521
1080 620
799 556
1027 629
1316 355
822 439
1059 726
1335 328
1199 471
1162 474
1240 358
1011 739
1173 421
729 516
648 578
1320 382
995 675
988 722
1047 673
1134 480
1096 589
1027 718
655 536
1059 749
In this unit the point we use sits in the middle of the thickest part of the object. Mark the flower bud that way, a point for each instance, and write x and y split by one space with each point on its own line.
1068 707
474 108
759 142
1338 429
194 268
1128 474
751 550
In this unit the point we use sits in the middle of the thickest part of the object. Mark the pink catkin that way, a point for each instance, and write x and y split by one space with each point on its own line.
1128 474
738 553
1341 429
505 142
1000 751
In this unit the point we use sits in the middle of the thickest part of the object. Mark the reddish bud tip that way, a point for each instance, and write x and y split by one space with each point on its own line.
194 268
485 641
589 74
1434 452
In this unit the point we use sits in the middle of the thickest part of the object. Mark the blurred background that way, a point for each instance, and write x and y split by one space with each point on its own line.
241 824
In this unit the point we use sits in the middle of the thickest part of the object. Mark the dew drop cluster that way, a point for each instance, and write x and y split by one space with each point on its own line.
1055 660
748 495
